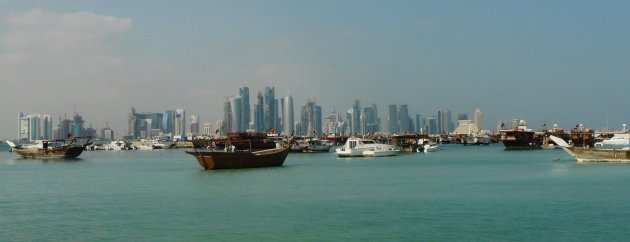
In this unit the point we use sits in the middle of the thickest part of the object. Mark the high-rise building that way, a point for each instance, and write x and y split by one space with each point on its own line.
404 121
392 119
478 118
24 127
77 125
462 116
236 105
333 124
180 123
143 125
287 116
207 129
245 108
259 117
355 118
310 124
226 124
47 127
372 124
194 125
34 129
270 113
433 125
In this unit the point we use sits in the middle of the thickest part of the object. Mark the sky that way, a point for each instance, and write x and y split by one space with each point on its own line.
564 62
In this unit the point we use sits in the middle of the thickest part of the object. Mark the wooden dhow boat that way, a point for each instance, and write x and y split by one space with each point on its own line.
587 154
62 148
238 159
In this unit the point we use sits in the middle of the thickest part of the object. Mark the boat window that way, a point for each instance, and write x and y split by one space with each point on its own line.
369 142
353 144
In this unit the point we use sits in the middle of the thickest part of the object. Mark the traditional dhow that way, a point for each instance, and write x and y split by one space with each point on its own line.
237 159
521 138
62 148
586 154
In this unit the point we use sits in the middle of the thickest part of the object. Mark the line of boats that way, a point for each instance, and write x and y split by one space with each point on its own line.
248 150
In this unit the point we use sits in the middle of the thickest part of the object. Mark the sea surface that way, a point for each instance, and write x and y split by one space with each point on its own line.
454 194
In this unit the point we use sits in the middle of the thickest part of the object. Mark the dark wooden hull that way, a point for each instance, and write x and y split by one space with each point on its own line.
521 140
210 160
60 152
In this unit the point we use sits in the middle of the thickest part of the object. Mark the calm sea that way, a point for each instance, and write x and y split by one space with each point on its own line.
455 194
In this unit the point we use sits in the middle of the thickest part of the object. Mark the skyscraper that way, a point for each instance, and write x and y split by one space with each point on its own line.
310 114
371 119
194 125
47 127
226 126
478 118
245 108
180 123
77 125
269 109
236 105
287 115
259 117
403 119
392 119
355 122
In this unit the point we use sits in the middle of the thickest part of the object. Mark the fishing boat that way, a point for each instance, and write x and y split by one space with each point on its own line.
587 154
62 148
230 158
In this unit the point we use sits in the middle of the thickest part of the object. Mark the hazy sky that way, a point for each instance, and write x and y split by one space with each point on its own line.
542 61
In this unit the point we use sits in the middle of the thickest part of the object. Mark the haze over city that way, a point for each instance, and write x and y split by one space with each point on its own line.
545 62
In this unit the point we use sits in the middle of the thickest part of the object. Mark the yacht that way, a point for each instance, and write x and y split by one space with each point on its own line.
357 147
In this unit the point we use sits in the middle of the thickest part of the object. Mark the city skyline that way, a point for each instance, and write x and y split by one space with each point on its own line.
549 62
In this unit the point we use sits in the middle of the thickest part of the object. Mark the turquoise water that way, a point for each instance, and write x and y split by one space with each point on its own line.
456 194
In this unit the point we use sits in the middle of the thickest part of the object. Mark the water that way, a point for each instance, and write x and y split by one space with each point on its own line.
457 194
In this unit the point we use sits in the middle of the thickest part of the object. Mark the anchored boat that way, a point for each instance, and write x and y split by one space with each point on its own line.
586 154
62 148
237 159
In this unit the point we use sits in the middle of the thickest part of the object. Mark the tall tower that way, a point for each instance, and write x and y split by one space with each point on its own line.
355 123
403 119
194 124
392 119
245 108
131 123
259 116
47 127
269 109
287 115
180 123
236 104
478 118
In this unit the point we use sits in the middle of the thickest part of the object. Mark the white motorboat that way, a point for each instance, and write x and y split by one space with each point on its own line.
356 147
116 145
316 145
382 150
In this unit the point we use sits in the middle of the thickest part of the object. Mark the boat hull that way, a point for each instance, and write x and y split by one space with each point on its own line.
211 160
66 152
598 155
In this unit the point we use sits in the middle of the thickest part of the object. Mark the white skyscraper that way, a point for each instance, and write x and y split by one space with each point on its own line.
478 118
287 115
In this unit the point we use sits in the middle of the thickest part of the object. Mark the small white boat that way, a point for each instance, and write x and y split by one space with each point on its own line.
382 150
356 147
427 148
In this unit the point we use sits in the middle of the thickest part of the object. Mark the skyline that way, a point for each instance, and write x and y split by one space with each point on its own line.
541 62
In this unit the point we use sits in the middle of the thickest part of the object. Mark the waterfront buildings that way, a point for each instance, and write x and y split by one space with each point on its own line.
371 121
311 119
148 124
34 127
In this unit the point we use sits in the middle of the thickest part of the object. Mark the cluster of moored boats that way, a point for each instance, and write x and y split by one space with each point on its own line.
245 150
